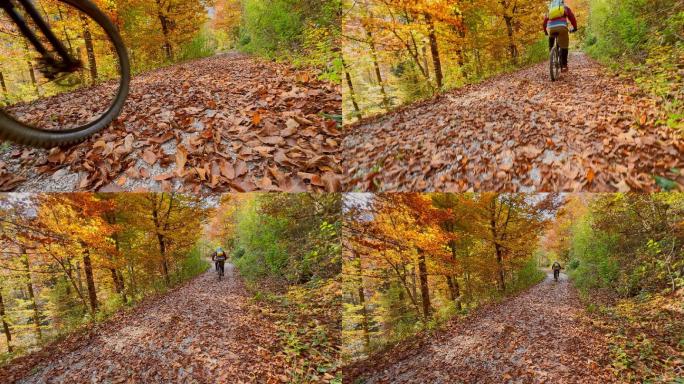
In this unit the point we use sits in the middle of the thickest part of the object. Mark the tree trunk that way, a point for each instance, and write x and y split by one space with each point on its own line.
32 297
434 50
453 285
500 266
164 263
512 49
3 85
5 325
376 66
362 301
497 246
350 85
168 52
424 289
90 281
79 278
450 285
116 274
122 282
32 72
88 38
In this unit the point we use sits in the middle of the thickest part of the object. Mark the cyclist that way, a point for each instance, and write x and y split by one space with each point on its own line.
219 258
556 270
556 27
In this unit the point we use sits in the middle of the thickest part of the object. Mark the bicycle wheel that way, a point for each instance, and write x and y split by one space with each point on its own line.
43 108
554 63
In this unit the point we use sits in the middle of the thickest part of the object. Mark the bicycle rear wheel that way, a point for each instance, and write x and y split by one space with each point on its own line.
554 63
41 109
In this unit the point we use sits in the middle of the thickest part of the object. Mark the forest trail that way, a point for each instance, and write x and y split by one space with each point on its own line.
519 132
540 336
202 332
230 122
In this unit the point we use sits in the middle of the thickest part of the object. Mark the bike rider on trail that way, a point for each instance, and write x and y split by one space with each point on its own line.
556 270
219 258
556 27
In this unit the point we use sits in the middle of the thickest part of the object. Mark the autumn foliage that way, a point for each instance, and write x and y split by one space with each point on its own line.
72 258
414 260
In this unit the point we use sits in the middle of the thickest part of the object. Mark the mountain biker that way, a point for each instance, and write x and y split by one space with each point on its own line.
556 270
219 258
556 27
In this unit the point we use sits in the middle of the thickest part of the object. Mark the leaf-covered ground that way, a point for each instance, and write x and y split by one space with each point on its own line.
519 132
206 331
225 123
540 336
645 336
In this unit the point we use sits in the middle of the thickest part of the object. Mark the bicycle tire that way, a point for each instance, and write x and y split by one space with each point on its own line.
13 130
553 63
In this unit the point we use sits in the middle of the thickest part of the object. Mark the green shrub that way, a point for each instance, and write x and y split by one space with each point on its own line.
306 33
202 45
528 275
193 264
642 38
537 52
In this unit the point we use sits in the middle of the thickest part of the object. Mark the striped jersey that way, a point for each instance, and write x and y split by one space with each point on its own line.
561 21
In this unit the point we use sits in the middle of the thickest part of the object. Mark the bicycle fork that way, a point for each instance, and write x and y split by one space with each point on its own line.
67 63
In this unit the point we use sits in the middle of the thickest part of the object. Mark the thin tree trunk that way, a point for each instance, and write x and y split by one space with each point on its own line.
5 325
134 283
497 247
3 85
160 239
424 289
165 31
79 278
512 49
32 297
500 266
116 274
350 85
362 301
90 281
453 286
88 38
434 50
32 72
450 285
376 67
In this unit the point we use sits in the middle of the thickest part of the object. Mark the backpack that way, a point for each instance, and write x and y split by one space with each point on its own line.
221 256
556 9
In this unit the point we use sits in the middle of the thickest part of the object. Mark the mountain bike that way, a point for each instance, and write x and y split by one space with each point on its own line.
64 71
555 58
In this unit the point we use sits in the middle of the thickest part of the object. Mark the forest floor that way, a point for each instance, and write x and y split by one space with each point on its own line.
590 131
540 336
225 123
205 331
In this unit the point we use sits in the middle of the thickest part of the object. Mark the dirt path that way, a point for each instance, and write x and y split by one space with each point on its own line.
540 336
225 123
518 132
203 332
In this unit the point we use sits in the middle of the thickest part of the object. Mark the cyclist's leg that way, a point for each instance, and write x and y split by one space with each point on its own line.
552 41
221 267
564 43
